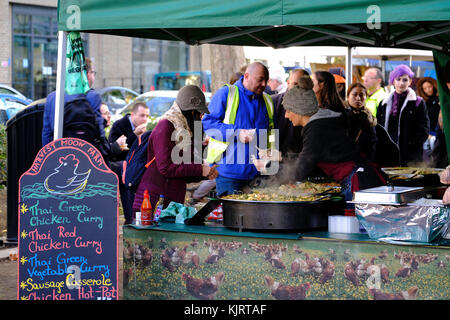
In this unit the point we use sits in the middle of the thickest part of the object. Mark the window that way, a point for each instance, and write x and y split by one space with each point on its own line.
116 97
6 91
21 23
155 56
35 50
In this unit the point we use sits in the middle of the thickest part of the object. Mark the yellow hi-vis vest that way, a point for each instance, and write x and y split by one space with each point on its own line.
215 147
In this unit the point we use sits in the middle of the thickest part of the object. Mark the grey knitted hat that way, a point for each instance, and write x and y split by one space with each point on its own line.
301 99
190 97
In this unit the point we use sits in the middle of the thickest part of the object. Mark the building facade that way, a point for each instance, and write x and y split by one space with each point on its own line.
29 49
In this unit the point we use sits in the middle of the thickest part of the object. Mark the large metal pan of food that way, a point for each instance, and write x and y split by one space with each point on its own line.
409 172
287 207
413 176
299 192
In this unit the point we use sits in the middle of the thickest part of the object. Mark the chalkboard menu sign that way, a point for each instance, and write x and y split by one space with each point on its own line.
68 225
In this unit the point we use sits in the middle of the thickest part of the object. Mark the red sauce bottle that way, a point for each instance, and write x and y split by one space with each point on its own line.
146 210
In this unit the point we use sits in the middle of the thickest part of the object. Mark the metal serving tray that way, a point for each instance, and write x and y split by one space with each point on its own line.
389 195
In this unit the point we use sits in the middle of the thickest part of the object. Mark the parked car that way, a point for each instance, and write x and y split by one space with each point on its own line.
9 106
158 102
4 89
117 97
175 80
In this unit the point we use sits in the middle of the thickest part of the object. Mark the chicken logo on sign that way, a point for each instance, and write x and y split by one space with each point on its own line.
65 179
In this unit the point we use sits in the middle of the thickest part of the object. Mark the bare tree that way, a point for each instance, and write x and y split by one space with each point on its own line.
225 61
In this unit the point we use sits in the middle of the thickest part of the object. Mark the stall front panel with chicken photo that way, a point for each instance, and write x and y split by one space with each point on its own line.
184 266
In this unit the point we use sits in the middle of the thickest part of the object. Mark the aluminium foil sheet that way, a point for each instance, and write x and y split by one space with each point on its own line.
424 220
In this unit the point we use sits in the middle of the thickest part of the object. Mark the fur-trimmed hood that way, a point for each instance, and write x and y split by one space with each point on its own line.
411 96
176 117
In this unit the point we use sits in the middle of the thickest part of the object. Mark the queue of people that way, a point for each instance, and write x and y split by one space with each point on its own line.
353 138
346 135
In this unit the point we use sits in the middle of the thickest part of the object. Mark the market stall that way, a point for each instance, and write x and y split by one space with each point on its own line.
279 246
182 261
278 24
177 261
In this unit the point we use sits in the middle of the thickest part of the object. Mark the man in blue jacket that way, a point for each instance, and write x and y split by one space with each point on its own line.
92 96
235 166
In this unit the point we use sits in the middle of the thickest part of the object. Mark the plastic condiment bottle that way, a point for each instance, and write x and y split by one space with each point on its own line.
159 207
146 210
137 218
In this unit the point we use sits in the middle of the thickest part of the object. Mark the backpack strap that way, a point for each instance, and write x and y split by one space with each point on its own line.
124 168
139 142
150 162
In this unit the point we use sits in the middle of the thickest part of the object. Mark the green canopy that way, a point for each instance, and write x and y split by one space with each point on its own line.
275 23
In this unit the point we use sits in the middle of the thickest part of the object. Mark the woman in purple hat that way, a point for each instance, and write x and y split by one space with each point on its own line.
404 116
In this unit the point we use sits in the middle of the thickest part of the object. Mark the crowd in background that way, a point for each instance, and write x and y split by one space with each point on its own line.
381 126
393 124
347 133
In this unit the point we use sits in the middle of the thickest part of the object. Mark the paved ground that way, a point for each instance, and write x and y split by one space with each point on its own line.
8 279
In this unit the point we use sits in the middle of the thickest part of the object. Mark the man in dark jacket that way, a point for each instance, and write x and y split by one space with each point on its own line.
290 136
92 97
131 126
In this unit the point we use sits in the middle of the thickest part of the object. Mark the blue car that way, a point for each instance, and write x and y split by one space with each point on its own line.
4 89
9 106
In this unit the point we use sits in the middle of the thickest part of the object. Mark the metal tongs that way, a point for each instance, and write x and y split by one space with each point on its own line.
325 192
199 217
407 177
328 195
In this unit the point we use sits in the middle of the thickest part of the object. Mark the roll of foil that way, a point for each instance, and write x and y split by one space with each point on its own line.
425 220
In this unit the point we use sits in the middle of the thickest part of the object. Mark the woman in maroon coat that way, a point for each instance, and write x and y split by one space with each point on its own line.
170 167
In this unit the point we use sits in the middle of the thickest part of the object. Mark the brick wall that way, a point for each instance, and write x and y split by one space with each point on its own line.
112 55
5 42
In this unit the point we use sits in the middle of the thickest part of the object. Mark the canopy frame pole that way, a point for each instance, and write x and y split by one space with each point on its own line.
260 40
299 36
313 40
60 85
175 36
429 46
423 35
235 34
348 67
338 34
383 67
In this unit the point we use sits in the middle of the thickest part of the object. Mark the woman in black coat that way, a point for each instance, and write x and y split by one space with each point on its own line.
405 117
327 144
372 139
427 89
